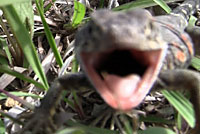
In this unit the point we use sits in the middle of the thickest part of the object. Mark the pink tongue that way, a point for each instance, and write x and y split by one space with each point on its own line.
122 87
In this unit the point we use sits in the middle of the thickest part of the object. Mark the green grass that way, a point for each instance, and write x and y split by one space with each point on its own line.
23 52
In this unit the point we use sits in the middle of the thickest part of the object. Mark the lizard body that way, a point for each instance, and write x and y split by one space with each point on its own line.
124 53
135 56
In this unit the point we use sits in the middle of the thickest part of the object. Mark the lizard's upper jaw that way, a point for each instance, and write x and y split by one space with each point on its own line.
123 77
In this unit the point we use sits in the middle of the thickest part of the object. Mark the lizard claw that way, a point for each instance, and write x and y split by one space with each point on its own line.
40 123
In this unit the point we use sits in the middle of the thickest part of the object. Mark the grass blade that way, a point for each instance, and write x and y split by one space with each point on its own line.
164 6
5 69
25 42
139 4
182 105
79 13
8 2
90 129
2 127
196 63
49 36
157 130
5 47
17 93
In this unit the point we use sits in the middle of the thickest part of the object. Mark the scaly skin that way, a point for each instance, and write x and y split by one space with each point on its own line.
123 54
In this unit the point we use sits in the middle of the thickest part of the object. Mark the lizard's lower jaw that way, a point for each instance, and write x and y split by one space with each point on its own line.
123 77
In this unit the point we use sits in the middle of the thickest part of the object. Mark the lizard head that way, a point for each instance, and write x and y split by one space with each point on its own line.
121 55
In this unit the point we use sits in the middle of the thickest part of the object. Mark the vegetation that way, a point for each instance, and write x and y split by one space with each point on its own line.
36 46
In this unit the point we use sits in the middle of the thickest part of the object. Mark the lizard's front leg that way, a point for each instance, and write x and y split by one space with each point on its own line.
186 80
42 120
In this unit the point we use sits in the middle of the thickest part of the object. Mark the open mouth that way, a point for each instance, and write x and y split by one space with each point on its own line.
123 77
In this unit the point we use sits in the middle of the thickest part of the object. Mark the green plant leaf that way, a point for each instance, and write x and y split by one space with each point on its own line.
155 119
5 47
8 2
196 63
164 6
25 12
2 127
91 130
127 126
192 21
49 36
139 4
3 60
24 40
157 130
179 121
182 105
47 7
6 69
79 13
3 96
71 131
75 65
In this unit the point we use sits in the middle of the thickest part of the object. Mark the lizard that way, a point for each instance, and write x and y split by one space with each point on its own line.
123 55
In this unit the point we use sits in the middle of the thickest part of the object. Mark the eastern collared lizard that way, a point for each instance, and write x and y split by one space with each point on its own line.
123 54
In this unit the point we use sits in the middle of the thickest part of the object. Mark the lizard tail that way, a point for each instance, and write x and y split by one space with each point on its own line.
187 8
